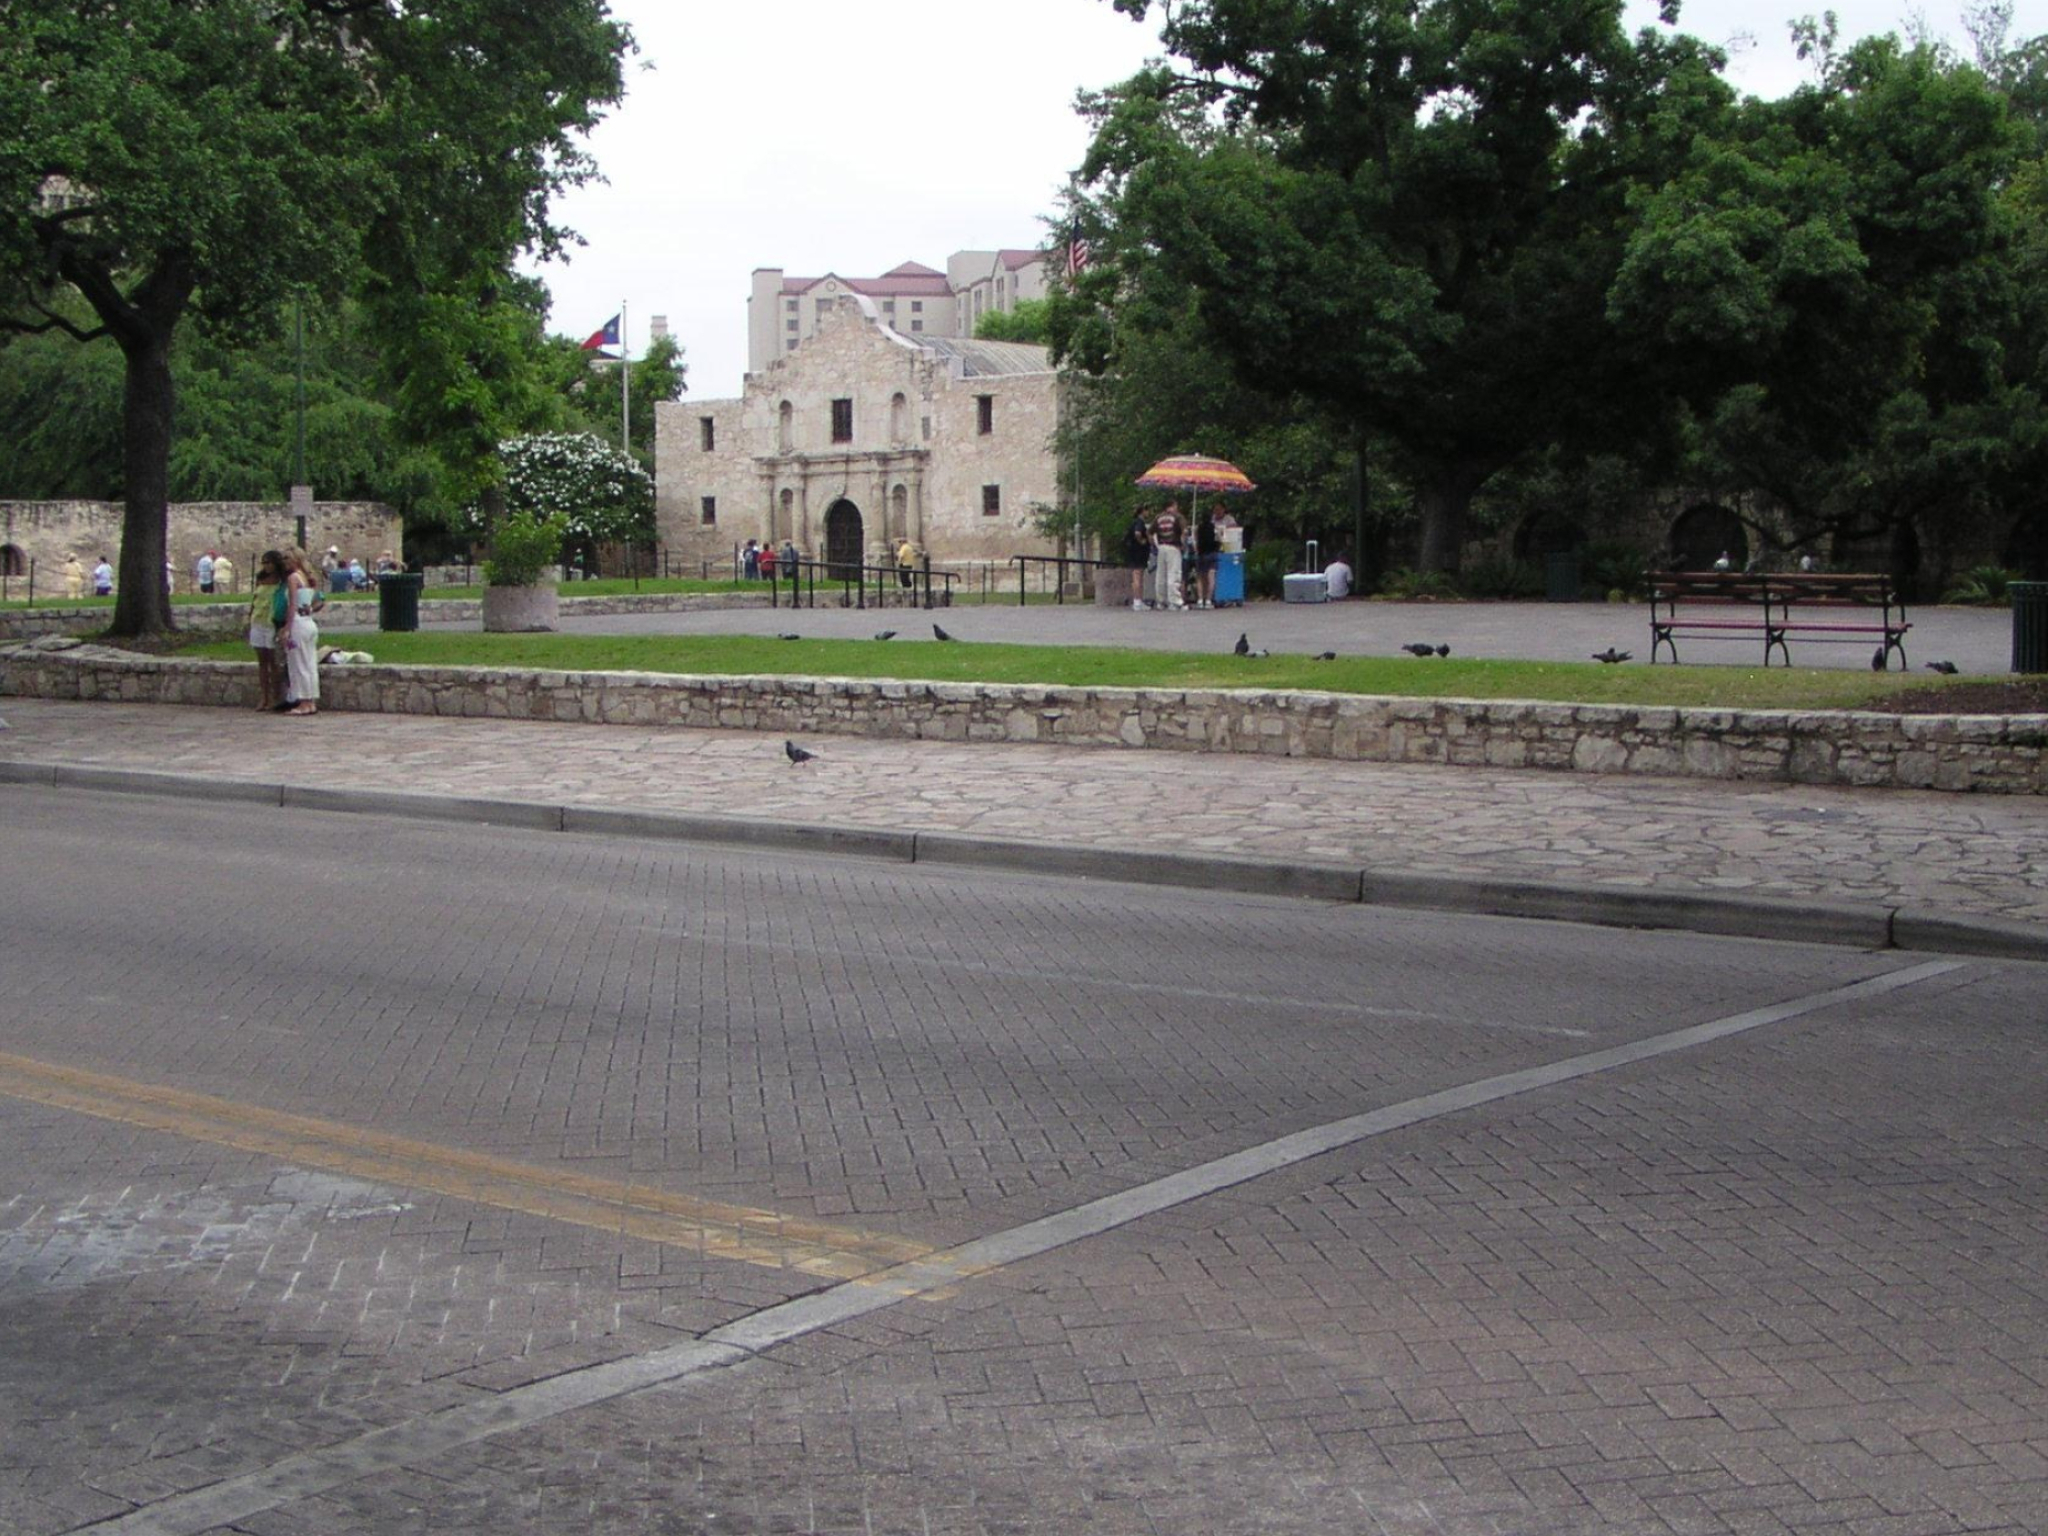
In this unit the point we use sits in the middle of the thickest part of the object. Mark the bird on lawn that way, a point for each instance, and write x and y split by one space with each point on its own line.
1945 668
887 634
1416 648
1327 656
797 755
1610 656
940 634
1243 646
1877 659
789 637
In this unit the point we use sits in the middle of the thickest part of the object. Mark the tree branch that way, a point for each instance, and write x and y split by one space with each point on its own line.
51 321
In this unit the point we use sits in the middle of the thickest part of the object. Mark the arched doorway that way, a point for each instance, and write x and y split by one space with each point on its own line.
12 561
1704 533
844 540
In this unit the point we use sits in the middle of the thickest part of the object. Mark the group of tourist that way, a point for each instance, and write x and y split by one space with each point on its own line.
74 577
284 634
761 562
340 573
1182 560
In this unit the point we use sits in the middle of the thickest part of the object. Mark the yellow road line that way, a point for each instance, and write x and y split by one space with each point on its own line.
709 1228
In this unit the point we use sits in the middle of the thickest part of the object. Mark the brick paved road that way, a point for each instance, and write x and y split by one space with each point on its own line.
1785 1281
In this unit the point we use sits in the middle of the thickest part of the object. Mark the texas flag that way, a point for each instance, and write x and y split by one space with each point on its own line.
608 337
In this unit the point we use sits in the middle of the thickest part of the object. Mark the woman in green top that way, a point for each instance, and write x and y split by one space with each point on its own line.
262 632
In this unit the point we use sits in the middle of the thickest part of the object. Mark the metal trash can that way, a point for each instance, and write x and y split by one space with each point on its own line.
2029 626
1561 577
398 600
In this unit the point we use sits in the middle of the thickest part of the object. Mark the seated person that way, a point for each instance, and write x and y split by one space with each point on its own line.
1338 574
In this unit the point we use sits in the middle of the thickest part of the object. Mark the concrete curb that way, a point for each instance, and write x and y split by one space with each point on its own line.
1853 924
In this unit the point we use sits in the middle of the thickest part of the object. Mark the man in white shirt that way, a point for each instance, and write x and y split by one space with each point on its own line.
1338 575
204 571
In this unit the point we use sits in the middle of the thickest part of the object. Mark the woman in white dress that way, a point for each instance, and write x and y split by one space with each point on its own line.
300 636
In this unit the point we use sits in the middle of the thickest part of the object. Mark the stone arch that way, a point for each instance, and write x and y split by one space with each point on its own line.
899 418
845 546
1703 533
13 562
785 427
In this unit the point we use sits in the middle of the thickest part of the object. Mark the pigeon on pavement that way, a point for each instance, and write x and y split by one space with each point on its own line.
1945 668
796 754
940 634
1244 645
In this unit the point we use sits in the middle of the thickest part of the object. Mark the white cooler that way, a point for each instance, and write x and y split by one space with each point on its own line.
1305 587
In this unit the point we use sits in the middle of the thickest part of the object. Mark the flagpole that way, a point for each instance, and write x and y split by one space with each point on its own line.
625 382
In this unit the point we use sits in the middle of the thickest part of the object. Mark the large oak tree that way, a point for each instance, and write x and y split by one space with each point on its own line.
203 160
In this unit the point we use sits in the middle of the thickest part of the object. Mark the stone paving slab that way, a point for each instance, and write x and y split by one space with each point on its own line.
1968 856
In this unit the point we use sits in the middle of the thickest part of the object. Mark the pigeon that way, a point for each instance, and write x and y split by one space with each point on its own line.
1255 655
940 634
1877 659
789 637
887 634
1327 656
1244 645
1610 656
1945 668
1443 650
1418 649
796 754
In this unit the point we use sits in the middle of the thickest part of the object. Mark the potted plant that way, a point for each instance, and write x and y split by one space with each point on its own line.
520 572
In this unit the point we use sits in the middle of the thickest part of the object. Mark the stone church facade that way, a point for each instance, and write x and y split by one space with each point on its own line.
861 437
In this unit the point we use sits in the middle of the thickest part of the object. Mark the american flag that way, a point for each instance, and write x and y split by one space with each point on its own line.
1077 255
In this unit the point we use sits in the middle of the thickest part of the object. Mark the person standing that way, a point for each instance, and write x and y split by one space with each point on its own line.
263 627
103 579
750 561
906 563
790 559
223 574
203 569
300 636
74 576
1138 556
1206 549
1167 533
764 562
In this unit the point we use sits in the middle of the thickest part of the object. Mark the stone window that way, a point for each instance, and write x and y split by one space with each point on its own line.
708 512
785 425
790 305
917 325
789 345
12 561
790 324
842 421
984 414
917 306
899 418
707 433
925 428
991 501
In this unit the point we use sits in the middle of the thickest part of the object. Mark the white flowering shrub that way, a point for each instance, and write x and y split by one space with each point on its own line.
599 492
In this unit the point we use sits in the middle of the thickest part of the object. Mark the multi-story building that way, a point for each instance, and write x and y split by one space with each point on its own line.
913 299
862 435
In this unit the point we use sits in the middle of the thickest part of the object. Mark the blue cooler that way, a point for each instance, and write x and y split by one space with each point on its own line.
1230 579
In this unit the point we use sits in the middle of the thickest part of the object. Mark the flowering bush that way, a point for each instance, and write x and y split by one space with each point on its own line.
598 492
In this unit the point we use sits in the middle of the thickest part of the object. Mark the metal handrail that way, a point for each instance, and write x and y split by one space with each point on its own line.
1025 562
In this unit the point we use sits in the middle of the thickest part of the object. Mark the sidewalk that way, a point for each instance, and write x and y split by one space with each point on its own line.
1948 855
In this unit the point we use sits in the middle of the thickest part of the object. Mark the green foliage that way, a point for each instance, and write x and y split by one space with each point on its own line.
1029 321
598 492
1984 586
1265 570
590 390
213 160
1613 567
525 549
1405 585
1500 577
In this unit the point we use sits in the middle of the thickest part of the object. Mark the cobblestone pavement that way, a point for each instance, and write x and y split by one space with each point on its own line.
1975 856
1785 1277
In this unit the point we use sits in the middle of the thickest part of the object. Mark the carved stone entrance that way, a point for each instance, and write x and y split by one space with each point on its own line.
844 540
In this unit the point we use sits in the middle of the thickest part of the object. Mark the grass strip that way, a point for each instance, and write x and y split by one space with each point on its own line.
1723 687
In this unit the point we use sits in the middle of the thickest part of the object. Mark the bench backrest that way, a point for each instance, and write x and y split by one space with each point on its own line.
1780 588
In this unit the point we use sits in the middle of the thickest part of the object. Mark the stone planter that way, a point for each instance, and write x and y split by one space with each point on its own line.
519 610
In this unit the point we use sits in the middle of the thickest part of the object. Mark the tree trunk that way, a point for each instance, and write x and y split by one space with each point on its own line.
1444 494
142 605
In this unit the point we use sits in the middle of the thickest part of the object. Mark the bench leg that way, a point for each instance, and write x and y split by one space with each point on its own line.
1661 635
1776 637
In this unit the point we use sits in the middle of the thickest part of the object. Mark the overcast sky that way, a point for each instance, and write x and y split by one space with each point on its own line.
815 136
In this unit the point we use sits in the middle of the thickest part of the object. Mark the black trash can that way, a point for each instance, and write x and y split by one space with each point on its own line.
2029 626
1561 577
398 600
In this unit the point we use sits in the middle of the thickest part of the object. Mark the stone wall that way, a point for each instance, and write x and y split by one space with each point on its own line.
47 531
1986 754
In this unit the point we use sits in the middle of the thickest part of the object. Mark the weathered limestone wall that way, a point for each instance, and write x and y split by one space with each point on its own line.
47 531
1985 754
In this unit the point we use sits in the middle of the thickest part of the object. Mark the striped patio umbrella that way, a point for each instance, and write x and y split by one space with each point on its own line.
1191 473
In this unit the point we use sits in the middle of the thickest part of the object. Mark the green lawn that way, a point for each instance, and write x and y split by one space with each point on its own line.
1103 666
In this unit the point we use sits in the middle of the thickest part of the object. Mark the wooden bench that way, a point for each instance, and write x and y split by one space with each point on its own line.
1778 606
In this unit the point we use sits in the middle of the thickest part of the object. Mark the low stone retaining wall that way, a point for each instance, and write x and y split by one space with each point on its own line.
226 618
1994 754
